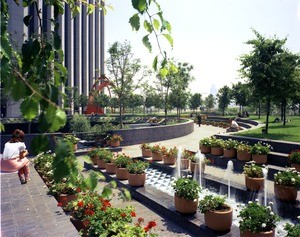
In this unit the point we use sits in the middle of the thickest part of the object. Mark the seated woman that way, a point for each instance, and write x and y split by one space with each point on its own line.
14 156
234 127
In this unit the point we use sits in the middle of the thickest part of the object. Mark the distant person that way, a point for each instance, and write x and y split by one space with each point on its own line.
199 119
234 127
14 156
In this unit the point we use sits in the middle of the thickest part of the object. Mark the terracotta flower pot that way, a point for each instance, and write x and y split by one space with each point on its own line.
185 163
243 156
169 160
157 156
195 167
254 184
217 151
219 220
247 233
205 149
110 168
185 206
121 173
94 159
115 143
285 193
260 159
231 153
146 153
296 166
136 180
101 164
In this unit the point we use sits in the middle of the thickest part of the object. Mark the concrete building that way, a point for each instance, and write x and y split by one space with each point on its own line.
81 42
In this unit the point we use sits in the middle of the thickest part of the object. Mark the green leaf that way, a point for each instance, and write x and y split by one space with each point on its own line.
39 144
18 91
147 43
156 24
135 22
92 181
113 184
56 40
163 72
106 192
90 9
148 26
139 5
29 108
154 63
58 121
27 19
169 38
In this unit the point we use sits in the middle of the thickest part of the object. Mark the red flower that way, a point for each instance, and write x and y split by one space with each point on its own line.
151 224
146 229
64 199
59 204
80 204
133 214
78 190
123 214
140 220
89 212
86 223
106 203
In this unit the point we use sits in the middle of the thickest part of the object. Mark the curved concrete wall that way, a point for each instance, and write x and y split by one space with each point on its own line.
154 133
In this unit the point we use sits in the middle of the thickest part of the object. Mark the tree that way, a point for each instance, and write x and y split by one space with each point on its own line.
209 102
224 95
124 70
240 93
134 100
195 101
101 100
265 67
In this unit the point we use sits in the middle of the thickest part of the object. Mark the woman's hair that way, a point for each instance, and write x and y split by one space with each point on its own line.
17 136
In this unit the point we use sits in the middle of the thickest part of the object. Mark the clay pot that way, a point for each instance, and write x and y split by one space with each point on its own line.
296 166
157 156
219 220
110 168
195 167
247 233
285 193
185 163
115 143
94 159
243 156
146 153
205 149
260 159
217 151
101 164
231 153
136 180
121 173
169 160
185 206
254 184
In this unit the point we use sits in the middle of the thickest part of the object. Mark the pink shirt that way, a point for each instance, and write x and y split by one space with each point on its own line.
12 150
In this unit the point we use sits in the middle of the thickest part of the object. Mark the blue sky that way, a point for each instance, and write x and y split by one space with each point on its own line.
211 34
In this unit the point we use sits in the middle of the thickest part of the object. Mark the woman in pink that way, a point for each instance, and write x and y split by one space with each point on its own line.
14 156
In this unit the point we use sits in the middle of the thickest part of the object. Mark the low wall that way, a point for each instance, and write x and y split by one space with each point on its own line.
140 135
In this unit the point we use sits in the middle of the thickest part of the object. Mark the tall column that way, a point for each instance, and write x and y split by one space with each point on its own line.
91 43
85 52
97 42
102 42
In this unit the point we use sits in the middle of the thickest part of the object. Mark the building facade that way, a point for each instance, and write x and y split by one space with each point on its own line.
81 42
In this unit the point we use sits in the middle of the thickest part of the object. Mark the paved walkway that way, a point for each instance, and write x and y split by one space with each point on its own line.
27 210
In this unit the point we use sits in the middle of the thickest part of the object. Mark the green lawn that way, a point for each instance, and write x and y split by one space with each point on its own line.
289 132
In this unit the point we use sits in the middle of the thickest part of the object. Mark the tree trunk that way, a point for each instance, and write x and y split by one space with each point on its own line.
284 111
120 114
268 114
259 108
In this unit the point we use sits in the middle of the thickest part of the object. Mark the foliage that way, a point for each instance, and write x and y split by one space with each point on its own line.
209 102
122 160
116 138
137 167
145 146
187 188
253 171
195 159
289 177
156 148
205 141
43 164
224 96
217 142
93 152
230 144
186 154
240 93
64 187
295 157
260 148
212 203
172 152
257 218
243 147
195 101
292 230
105 154
71 138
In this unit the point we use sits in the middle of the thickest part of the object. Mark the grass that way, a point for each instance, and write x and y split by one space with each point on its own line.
289 132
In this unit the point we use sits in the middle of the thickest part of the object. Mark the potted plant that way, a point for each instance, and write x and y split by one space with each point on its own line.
170 156
122 161
72 140
259 152
156 152
217 145
110 165
146 150
115 140
186 195
295 159
137 174
257 220
107 139
292 230
254 176
229 150
286 184
103 154
205 145
243 151
195 162
93 155
185 158
217 213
